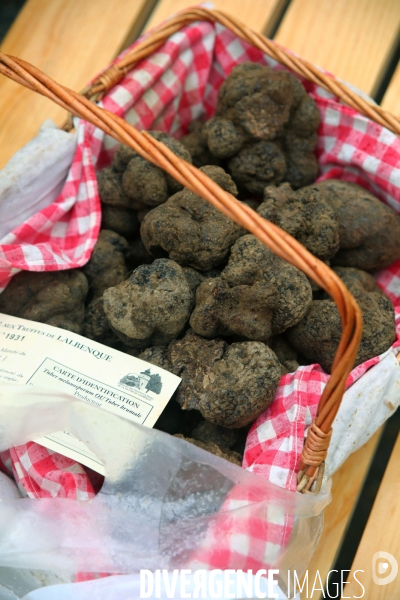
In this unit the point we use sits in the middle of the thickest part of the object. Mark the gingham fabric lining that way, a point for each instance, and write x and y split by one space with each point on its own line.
166 91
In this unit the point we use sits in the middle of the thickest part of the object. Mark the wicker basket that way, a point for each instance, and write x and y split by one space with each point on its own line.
81 105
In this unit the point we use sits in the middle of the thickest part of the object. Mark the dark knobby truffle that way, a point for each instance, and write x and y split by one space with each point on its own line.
56 298
196 144
369 231
305 215
146 183
96 326
229 384
223 138
258 165
212 447
257 100
134 183
123 221
266 124
258 295
189 230
106 267
151 307
317 335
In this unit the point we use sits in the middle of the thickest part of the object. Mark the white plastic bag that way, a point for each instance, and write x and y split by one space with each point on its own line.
160 497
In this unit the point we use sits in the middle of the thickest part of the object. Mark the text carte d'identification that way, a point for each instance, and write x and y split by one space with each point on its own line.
33 353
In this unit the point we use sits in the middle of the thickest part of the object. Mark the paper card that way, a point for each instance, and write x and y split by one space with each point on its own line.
33 353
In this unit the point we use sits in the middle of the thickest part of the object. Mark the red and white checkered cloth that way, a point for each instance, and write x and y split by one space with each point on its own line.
177 84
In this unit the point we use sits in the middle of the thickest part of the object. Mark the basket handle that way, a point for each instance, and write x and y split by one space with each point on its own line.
280 242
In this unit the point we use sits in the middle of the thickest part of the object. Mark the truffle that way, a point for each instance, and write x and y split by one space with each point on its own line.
134 183
123 221
225 453
196 144
369 231
56 298
258 165
305 215
137 254
189 230
209 432
146 183
317 335
256 99
301 162
106 267
229 384
151 307
223 138
287 356
266 122
96 326
110 188
258 295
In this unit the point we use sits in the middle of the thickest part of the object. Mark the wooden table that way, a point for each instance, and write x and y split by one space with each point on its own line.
72 40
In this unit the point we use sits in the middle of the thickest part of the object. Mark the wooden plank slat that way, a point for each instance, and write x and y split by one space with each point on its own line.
346 485
382 533
353 39
260 15
391 99
70 40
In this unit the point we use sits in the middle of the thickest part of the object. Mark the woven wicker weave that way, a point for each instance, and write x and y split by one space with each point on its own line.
277 240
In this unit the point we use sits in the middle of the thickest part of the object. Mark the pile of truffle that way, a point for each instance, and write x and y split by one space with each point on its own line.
176 283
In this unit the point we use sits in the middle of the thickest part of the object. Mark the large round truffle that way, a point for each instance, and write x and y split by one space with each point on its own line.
56 298
305 215
229 384
257 99
151 307
189 230
317 335
258 295
231 390
369 231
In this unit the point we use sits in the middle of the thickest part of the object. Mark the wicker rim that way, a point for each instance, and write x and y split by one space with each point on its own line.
157 36
280 242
